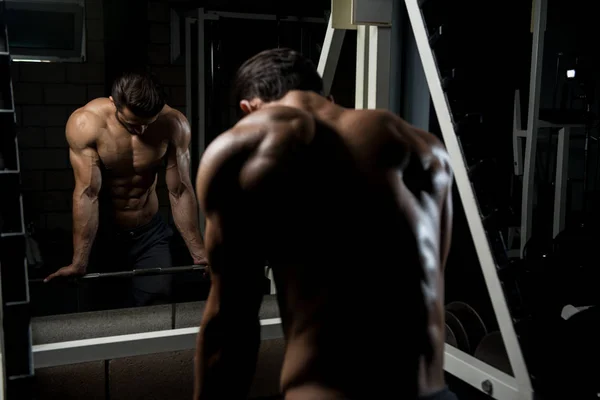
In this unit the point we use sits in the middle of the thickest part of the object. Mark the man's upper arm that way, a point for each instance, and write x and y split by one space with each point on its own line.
235 259
178 158
435 160
81 132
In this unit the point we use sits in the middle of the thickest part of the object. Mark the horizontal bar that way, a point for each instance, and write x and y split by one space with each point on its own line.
459 364
145 272
215 15
12 234
137 344
137 272
475 372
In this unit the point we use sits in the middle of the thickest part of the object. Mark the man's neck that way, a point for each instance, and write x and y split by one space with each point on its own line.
312 103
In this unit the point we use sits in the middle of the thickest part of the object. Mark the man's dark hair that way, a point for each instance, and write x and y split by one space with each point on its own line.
140 92
270 74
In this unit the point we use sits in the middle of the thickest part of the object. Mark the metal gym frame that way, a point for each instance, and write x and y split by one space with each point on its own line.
458 363
372 91
526 167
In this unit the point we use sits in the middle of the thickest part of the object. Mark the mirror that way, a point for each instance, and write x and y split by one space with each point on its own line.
537 213
137 231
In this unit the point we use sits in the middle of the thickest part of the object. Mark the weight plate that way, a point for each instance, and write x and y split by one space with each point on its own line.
472 323
450 337
460 335
491 351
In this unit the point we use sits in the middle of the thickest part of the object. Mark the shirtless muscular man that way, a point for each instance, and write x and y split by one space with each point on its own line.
352 210
117 144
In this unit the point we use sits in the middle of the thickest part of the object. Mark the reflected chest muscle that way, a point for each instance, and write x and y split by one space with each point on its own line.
126 155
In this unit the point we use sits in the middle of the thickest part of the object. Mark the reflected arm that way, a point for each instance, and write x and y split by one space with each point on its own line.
80 132
181 192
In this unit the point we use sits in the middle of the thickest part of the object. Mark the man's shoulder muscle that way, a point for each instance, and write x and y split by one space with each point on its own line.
248 153
83 128
425 145
175 124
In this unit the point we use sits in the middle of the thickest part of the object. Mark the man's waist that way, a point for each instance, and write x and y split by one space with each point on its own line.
122 224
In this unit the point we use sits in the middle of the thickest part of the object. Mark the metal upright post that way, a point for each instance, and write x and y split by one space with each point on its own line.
330 54
201 101
537 54
2 352
378 82
362 66
560 183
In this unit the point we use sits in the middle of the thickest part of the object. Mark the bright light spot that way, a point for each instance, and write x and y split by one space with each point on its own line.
571 73
30 60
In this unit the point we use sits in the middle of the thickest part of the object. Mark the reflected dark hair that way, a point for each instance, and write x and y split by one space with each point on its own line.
270 74
140 92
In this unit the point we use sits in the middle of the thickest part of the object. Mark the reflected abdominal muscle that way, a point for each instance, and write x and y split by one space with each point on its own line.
132 193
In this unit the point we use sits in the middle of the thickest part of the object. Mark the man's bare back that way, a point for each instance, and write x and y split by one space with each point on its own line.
352 211
129 162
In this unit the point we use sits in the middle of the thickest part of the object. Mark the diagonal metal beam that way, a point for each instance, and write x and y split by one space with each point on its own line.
330 55
463 183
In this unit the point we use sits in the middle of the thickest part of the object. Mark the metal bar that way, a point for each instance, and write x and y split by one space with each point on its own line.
83 56
113 347
175 36
138 272
2 351
535 80
201 99
467 196
44 59
188 73
22 216
518 135
330 55
560 183
362 66
416 102
473 371
214 15
2 377
378 83
397 58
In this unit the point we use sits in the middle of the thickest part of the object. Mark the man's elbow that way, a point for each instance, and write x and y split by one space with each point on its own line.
177 192
89 192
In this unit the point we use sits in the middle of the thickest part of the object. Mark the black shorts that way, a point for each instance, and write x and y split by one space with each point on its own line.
444 394
146 246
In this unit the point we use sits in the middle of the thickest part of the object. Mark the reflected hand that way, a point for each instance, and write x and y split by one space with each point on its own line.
200 260
71 270
199 257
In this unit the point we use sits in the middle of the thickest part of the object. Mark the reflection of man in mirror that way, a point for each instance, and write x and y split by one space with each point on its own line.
117 144
352 211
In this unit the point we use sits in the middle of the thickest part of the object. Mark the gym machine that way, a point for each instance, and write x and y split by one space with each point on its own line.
541 328
15 351
470 369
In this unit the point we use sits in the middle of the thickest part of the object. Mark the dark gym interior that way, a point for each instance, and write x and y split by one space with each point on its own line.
483 57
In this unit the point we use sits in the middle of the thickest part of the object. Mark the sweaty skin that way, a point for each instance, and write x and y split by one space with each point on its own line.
352 210
110 152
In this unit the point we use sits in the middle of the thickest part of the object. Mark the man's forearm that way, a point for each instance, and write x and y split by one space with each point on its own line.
185 216
225 359
85 226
